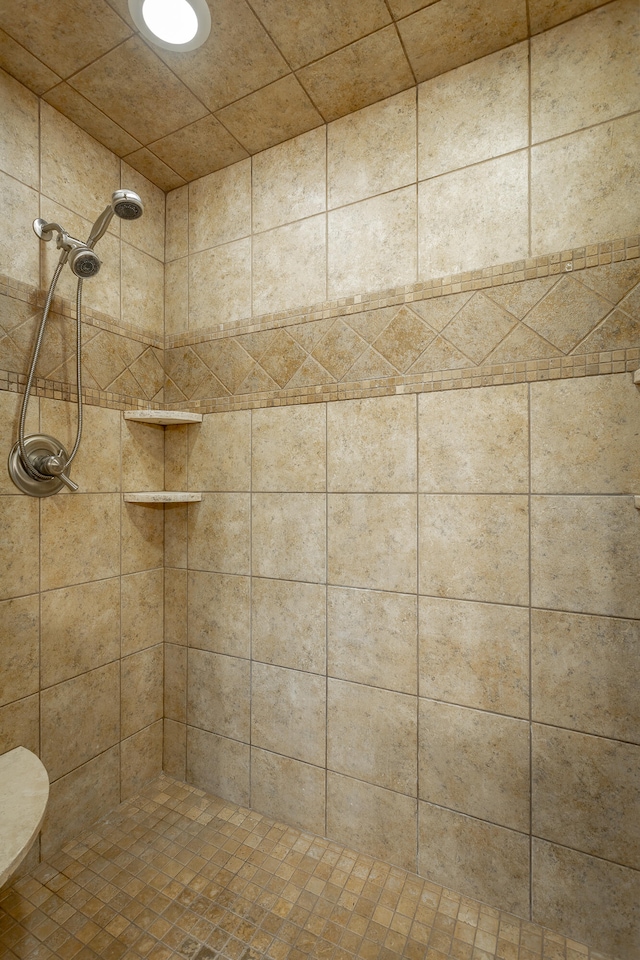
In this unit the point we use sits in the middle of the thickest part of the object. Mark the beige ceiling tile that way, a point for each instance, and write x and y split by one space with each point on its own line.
447 34
237 58
362 73
271 115
156 104
154 169
308 31
64 39
24 66
547 13
74 106
122 7
199 149
402 8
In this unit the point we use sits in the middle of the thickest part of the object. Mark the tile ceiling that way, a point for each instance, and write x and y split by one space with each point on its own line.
270 69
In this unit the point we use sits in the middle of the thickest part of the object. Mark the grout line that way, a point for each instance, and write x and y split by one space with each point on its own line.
529 460
326 618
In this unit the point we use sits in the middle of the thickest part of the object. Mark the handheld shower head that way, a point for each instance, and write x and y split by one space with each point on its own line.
125 204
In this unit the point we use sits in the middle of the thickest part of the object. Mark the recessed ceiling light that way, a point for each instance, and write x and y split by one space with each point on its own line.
172 24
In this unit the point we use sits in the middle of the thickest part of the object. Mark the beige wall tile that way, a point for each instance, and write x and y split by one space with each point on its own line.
219 533
548 13
289 536
176 296
174 749
10 408
220 452
219 613
220 285
585 793
220 207
142 536
218 765
372 151
586 898
20 724
142 456
175 682
585 436
288 624
19 247
80 629
20 648
19 524
147 232
371 735
602 576
176 450
375 821
474 216
79 798
371 445
475 547
371 638
288 790
584 186
142 609
176 239
141 759
477 859
141 689
289 448
288 713
474 441
218 694
606 39
175 535
475 654
585 673
371 244
475 762
476 112
175 606
80 718
142 291
19 150
289 266
80 539
289 181
96 469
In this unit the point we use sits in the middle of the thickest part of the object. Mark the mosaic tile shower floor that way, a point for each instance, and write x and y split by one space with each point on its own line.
177 873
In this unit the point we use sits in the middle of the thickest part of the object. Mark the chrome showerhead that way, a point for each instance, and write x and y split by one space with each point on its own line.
83 262
125 204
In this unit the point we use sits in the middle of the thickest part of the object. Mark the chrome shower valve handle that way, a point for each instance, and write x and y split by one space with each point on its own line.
42 473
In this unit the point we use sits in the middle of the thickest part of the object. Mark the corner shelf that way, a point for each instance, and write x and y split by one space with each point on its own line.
162 496
636 500
163 418
636 376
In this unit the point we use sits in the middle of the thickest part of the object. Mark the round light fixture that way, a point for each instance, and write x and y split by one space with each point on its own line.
172 24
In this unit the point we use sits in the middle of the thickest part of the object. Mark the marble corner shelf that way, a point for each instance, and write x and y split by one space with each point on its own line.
636 377
636 500
163 418
162 496
24 792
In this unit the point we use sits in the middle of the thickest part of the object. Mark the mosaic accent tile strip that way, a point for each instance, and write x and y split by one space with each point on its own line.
178 873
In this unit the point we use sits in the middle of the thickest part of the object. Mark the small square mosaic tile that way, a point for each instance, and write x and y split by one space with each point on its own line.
177 873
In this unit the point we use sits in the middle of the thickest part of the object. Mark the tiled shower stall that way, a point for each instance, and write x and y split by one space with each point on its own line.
405 614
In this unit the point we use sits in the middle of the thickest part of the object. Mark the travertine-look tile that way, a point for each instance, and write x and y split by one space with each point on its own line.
585 436
476 858
175 606
20 724
218 694
197 149
174 749
288 624
289 536
586 897
142 291
148 232
20 256
218 765
20 650
474 216
176 238
289 181
219 613
606 39
567 314
80 718
219 533
475 654
371 445
289 266
175 534
142 537
141 759
10 409
142 608
372 541
142 456
473 441
220 452
176 296
288 713
288 448
474 113
545 14
602 576
220 285
586 792
80 539
585 673
176 449
475 547
371 638
584 186
288 790
490 776
81 629
97 466
372 151
376 821
175 682
371 244
141 689
19 149
371 735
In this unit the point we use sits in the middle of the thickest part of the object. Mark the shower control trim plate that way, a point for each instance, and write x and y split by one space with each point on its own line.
46 455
